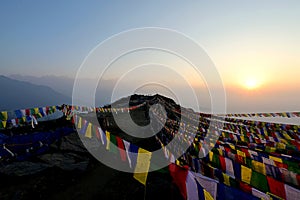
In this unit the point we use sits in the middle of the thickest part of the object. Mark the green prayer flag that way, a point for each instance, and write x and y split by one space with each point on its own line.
259 181
216 161
292 166
113 148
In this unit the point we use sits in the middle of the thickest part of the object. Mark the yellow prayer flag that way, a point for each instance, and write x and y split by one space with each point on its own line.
220 152
142 166
79 123
246 174
242 138
223 134
36 110
4 114
265 132
259 167
261 136
232 146
4 124
226 179
207 195
283 141
276 159
272 149
240 153
88 132
287 136
107 140
280 145
210 154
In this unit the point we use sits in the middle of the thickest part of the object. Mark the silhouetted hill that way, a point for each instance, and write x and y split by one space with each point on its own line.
19 94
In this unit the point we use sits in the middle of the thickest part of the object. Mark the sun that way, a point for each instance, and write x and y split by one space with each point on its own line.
251 83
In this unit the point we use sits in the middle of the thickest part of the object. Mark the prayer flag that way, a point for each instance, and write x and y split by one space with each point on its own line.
142 165
179 175
121 148
88 132
276 187
246 174
260 194
107 134
259 167
291 193
259 181
191 187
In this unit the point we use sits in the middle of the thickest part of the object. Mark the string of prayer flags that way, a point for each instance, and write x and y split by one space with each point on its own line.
24 116
18 117
282 114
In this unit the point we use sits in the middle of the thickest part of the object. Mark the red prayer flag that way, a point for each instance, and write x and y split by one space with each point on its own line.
121 148
245 187
276 187
239 159
246 152
73 120
97 133
179 175
222 162
281 165
227 149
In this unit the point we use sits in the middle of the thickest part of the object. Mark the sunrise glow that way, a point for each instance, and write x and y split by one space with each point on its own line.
251 84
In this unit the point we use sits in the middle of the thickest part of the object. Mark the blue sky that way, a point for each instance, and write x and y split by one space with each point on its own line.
53 37
252 43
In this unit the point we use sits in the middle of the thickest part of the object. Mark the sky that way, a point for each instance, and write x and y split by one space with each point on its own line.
255 45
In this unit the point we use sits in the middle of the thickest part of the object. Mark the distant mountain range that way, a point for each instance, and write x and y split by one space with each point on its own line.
61 84
64 85
17 94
